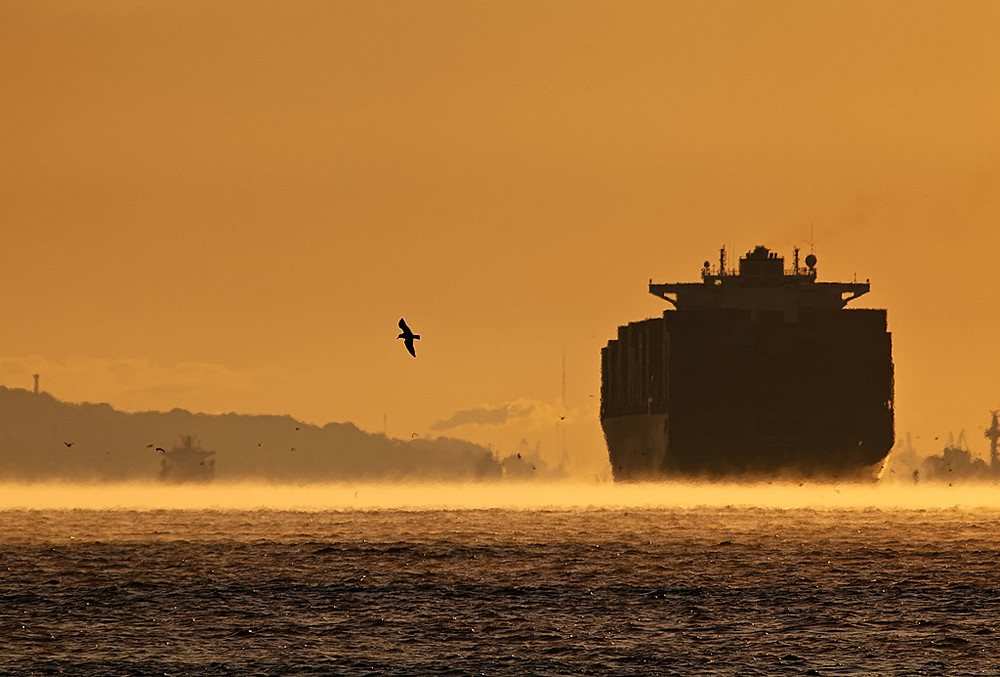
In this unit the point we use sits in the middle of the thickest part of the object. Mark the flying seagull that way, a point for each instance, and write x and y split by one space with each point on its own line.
408 337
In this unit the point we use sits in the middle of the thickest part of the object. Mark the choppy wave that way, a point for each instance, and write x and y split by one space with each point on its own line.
616 589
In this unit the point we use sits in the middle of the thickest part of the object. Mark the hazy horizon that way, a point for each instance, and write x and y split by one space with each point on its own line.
228 207
564 495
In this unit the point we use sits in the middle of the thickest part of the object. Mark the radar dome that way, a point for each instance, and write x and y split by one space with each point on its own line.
811 260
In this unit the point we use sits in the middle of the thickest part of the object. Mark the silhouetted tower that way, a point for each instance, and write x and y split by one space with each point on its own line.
36 383
993 435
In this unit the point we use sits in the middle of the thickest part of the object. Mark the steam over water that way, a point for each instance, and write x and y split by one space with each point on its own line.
499 580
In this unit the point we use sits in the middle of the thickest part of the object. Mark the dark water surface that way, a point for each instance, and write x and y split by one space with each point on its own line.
625 591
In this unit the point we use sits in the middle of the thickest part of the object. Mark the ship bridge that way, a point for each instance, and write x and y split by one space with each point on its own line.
762 283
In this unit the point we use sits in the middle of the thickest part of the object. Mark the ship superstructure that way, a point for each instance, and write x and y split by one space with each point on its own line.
760 370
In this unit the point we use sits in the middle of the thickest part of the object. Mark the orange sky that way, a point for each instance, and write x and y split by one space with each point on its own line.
227 206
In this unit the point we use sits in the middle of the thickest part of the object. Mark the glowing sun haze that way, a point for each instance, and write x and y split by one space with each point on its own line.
228 206
492 495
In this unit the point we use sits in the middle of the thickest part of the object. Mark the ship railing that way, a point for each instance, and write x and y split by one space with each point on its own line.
713 272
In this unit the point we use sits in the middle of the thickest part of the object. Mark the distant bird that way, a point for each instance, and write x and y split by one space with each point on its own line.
408 337
296 427
149 446
161 450
68 444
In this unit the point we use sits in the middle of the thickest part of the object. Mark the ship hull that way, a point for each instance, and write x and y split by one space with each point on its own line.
638 452
726 394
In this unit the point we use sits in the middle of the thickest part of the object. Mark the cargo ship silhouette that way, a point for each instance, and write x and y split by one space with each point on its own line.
759 371
187 463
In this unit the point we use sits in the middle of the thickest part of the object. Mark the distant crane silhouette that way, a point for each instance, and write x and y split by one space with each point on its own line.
993 435
408 337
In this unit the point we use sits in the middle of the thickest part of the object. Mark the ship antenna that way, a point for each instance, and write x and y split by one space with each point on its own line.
562 402
562 413
722 261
